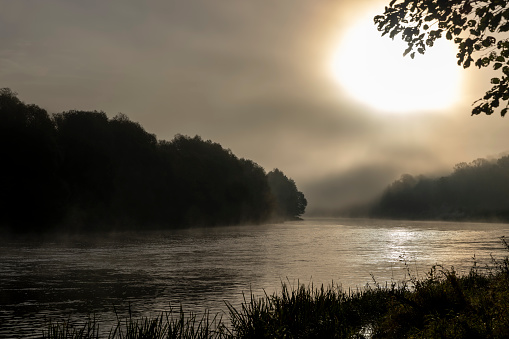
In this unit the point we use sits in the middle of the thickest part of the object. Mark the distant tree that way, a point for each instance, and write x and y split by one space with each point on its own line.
258 202
478 27
80 170
136 172
290 202
478 190
405 198
31 192
84 141
214 186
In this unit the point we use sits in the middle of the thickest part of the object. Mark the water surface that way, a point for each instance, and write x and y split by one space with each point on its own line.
200 269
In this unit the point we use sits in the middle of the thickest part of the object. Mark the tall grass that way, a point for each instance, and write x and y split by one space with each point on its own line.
307 312
169 324
443 304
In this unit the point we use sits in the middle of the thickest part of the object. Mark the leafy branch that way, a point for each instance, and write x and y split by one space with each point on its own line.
477 27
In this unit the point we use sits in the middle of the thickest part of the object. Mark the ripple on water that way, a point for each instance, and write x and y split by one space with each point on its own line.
202 268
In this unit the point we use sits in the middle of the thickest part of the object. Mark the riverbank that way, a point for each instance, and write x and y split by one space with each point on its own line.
442 304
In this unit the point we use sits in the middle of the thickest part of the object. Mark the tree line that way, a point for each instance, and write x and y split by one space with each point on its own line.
80 170
475 191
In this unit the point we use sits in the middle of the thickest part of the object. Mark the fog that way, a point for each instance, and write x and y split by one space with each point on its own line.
250 75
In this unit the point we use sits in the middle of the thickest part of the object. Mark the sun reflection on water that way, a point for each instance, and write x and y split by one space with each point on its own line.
201 269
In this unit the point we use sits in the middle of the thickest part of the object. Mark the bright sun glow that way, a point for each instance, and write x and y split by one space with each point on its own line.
372 69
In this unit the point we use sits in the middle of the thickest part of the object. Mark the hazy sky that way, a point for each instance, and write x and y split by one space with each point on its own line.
258 77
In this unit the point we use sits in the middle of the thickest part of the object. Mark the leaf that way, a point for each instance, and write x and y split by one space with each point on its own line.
486 42
495 81
448 35
504 27
503 112
495 22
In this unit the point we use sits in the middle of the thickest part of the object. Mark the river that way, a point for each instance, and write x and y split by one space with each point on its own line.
76 276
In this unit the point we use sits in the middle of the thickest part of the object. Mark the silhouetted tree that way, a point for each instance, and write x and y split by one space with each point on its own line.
30 189
138 174
478 28
479 190
290 203
215 187
85 171
258 202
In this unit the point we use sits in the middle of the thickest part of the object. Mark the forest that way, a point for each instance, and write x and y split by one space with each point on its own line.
477 191
81 171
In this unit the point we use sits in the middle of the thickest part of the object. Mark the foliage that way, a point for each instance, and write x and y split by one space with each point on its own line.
30 160
475 191
81 170
290 202
167 325
477 27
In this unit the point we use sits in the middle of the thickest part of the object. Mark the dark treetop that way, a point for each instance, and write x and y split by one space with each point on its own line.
475 191
79 170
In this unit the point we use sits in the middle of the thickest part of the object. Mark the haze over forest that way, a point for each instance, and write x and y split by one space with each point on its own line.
254 77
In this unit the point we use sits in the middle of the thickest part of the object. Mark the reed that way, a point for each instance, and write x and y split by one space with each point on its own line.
168 325
66 329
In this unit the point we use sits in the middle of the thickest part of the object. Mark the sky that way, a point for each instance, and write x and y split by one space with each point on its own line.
289 84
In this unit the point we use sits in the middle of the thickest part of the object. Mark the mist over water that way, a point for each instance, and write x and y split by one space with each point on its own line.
200 269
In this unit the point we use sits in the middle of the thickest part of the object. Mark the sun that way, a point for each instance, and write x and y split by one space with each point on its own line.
372 70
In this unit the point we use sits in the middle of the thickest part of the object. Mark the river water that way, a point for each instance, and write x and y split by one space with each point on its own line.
72 277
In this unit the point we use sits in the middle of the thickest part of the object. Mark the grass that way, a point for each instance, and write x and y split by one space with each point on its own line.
169 324
443 304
